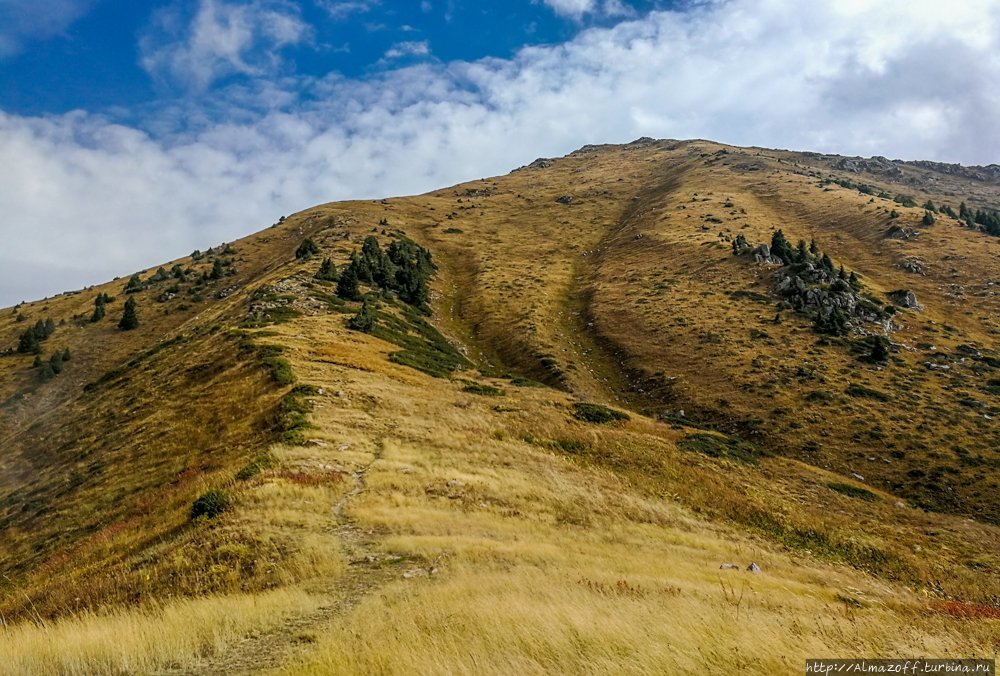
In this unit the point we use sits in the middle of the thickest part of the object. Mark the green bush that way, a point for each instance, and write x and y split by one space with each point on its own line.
485 390
210 504
853 491
719 446
596 413
255 467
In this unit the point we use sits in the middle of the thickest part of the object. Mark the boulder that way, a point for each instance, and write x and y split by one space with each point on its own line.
904 298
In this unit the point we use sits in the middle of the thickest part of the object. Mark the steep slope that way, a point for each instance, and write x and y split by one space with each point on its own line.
386 519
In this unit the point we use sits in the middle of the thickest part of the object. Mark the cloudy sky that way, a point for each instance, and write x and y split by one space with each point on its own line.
134 132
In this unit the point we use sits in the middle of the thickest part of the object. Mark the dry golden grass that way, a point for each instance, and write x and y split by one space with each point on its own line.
144 640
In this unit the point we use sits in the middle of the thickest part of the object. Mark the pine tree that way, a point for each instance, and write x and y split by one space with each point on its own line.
347 285
130 319
66 356
28 343
880 349
780 247
854 281
364 320
306 249
134 284
841 273
56 362
50 327
928 218
217 270
327 271
813 248
929 206
827 263
802 252
99 313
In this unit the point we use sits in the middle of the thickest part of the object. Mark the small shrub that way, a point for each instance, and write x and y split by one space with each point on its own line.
306 249
210 504
255 467
853 491
596 413
485 390
719 446
861 391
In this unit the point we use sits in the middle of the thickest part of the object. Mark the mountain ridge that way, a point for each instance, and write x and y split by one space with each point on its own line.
607 275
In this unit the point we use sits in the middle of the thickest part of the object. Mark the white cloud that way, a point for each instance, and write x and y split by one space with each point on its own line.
571 8
22 21
339 10
402 49
221 39
85 199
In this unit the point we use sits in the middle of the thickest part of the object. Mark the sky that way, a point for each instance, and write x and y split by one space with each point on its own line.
133 132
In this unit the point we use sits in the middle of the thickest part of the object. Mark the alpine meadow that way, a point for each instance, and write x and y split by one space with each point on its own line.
660 407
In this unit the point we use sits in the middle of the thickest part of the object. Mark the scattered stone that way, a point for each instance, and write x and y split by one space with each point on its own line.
455 483
937 367
754 568
904 298
316 442
729 566
857 476
343 447
565 199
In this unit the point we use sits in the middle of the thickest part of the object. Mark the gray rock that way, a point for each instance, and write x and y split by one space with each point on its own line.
729 566
753 568
904 298
565 199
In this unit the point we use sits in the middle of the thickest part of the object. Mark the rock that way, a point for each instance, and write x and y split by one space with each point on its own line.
455 483
753 568
541 163
857 476
904 298
316 442
937 367
564 199
343 447
762 254
729 566
913 266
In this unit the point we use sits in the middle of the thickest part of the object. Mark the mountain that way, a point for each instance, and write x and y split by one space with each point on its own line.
564 413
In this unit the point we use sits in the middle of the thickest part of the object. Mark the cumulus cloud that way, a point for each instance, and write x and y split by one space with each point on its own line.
22 21
339 10
221 39
402 49
86 198
572 8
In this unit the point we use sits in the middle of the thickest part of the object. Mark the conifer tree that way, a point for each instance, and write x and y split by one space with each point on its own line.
854 281
327 271
364 320
306 249
217 270
99 313
827 263
813 248
780 246
347 285
928 218
134 284
130 318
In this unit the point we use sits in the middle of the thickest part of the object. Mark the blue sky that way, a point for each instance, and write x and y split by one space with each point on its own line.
134 132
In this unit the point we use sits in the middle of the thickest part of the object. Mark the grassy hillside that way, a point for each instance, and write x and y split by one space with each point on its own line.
449 491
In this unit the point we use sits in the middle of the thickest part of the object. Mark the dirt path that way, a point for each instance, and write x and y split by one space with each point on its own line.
367 571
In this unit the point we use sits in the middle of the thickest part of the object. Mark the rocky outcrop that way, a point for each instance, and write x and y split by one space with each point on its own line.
904 298
873 165
988 174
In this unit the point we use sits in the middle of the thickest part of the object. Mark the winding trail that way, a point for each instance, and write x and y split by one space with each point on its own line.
366 572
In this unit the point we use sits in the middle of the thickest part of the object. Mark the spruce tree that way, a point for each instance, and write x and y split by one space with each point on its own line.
780 247
306 249
134 284
928 218
827 263
130 319
217 270
813 248
99 313
364 320
327 271
854 281
347 285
